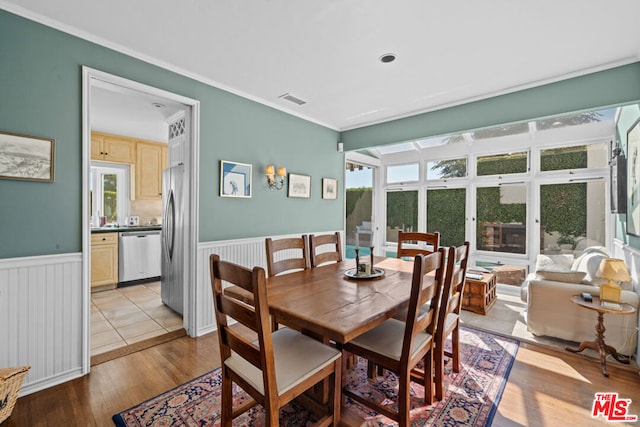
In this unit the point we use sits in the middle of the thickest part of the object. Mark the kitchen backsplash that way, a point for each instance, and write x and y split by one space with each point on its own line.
149 211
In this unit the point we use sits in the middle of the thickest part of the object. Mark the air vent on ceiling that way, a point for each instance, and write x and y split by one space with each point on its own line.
292 98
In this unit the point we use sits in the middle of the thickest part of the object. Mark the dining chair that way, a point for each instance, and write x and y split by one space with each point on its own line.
287 255
449 316
283 256
276 367
324 256
399 346
432 239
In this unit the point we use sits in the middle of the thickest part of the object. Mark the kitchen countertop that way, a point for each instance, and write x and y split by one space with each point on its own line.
125 228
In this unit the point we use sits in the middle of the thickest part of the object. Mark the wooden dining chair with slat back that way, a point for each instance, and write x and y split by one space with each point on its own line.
323 256
404 238
283 256
278 366
399 346
449 316
287 255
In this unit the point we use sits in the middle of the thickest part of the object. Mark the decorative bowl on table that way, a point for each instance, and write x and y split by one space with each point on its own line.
354 274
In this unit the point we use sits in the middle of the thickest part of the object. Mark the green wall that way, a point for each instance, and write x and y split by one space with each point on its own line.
615 86
41 94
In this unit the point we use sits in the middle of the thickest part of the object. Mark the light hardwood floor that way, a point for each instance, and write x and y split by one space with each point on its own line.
545 387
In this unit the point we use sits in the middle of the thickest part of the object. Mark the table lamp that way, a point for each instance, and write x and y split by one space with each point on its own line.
614 270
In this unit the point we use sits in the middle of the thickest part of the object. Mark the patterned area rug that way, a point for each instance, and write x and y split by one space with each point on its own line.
471 398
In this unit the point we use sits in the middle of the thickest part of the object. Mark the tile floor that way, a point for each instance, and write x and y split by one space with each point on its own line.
124 316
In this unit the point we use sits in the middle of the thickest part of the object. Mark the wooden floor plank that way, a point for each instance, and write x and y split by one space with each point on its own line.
545 388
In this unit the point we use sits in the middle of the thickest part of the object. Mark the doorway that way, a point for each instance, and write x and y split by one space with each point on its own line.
130 92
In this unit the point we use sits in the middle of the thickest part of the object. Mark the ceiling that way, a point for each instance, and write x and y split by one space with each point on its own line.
327 52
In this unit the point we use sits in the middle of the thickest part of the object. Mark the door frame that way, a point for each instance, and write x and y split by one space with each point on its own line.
90 75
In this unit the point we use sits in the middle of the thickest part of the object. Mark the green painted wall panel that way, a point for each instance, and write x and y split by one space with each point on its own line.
616 86
41 92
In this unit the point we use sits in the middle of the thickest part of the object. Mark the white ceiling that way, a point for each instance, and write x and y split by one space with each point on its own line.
327 52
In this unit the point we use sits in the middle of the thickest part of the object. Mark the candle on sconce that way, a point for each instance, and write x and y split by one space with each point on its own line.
270 170
282 171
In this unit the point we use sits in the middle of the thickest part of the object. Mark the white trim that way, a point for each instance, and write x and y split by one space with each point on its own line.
89 75
39 260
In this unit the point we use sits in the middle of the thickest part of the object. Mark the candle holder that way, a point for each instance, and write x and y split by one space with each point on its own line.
357 260
371 255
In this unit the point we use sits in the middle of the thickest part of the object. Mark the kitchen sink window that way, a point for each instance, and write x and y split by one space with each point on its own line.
109 185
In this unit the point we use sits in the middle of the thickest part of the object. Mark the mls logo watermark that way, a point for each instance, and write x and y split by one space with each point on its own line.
612 408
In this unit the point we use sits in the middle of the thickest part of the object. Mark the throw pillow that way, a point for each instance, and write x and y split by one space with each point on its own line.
567 276
545 262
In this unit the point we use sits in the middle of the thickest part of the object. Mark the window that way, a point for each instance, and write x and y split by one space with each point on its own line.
445 169
402 213
571 216
403 173
359 208
109 186
502 218
446 213
503 164
576 157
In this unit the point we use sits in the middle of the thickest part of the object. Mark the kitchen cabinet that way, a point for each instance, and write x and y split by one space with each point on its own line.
152 159
112 148
104 259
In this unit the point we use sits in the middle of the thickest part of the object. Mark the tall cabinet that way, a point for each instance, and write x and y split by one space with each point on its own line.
152 159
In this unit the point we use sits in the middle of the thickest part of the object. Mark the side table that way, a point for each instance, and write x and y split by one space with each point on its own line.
479 294
599 343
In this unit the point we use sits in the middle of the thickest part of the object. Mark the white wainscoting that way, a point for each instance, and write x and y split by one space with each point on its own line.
41 318
41 308
245 252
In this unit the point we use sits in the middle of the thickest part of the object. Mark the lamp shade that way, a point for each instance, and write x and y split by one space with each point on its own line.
613 269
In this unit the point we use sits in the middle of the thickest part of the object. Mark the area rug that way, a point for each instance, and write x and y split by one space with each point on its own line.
471 397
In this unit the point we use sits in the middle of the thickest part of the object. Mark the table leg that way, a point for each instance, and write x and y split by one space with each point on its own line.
601 346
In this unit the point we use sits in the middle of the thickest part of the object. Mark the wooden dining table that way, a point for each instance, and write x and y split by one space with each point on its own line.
325 303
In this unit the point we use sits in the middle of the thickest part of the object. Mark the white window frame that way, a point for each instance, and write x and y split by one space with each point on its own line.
99 169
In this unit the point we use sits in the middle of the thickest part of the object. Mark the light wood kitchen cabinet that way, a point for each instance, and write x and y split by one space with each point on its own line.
104 259
152 159
112 148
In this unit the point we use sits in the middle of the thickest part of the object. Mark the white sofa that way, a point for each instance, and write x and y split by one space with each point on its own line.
550 312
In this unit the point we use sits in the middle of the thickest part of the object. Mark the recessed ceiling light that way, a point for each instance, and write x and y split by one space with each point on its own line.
387 57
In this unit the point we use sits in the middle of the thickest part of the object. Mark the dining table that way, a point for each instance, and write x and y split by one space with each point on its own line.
326 303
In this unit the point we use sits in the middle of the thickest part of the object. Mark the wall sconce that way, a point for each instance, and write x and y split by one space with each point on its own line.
274 181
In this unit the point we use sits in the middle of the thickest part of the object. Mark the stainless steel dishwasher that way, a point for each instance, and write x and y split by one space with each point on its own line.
140 256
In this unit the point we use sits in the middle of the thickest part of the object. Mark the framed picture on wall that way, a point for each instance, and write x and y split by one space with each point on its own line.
633 179
329 188
235 179
27 158
299 186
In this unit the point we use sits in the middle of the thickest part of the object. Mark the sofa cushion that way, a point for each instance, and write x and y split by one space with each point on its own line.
567 276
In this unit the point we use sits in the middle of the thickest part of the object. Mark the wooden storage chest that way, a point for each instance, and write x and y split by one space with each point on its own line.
479 294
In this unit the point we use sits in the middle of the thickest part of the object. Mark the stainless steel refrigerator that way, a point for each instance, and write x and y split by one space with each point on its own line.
173 237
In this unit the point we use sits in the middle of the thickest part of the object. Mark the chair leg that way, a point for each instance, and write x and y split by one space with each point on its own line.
439 377
455 349
404 399
336 392
428 377
226 413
